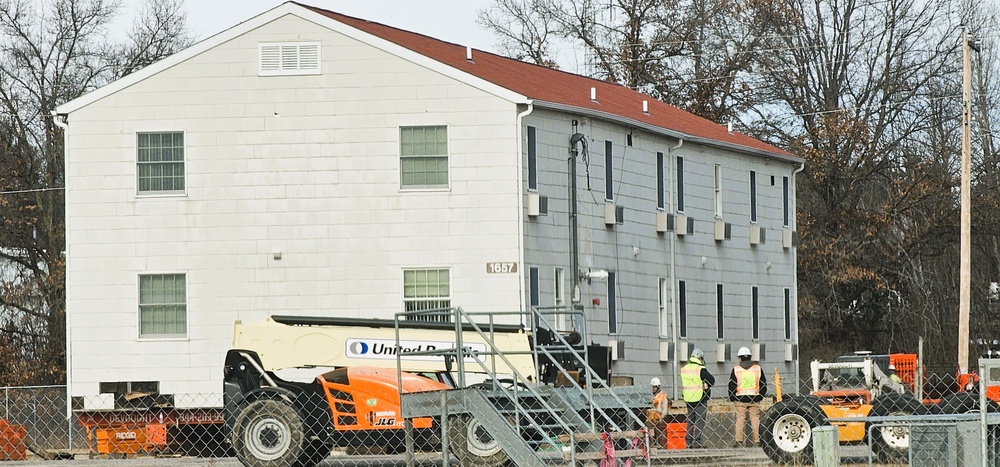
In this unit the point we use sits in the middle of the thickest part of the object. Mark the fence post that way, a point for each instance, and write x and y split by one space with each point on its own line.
825 446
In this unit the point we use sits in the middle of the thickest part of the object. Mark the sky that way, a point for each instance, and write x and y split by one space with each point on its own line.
448 20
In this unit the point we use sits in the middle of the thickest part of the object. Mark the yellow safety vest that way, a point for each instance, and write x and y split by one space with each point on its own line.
693 386
747 380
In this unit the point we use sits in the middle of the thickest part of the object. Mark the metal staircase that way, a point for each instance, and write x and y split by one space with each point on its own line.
517 417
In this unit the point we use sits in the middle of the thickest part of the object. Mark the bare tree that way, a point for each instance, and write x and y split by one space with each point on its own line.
50 53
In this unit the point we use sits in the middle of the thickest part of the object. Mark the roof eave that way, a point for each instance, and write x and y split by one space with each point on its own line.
666 131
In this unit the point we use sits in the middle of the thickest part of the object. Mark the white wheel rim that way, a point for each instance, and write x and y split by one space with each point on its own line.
791 433
479 441
896 436
267 438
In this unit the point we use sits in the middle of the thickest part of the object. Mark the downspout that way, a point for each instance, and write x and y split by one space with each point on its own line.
675 335
62 121
795 263
520 205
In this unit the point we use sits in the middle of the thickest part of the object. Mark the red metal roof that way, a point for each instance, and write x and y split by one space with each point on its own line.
554 86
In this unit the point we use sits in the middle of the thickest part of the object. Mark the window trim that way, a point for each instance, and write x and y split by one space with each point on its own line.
718 191
682 309
402 283
661 186
138 307
184 162
755 313
612 303
609 171
788 314
785 201
298 70
663 307
680 184
448 158
720 317
532 158
753 196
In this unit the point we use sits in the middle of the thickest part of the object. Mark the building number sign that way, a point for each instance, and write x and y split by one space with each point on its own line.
498 267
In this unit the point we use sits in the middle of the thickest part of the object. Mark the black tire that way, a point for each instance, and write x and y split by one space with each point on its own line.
964 402
786 430
314 453
269 433
891 443
472 444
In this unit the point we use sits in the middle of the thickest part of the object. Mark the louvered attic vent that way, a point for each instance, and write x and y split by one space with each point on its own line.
288 58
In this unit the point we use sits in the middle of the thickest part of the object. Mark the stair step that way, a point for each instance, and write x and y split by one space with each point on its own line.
619 453
598 436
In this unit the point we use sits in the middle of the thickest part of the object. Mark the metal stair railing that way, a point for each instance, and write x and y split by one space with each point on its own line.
512 435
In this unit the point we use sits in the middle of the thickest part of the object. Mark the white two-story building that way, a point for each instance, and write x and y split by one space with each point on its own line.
308 163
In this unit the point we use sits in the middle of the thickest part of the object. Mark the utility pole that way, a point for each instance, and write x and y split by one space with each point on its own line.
965 275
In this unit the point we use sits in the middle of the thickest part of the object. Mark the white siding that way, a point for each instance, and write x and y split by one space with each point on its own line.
308 165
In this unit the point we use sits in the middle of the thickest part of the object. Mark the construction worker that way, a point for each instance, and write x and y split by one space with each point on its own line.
655 416
747 387
892 374
696 384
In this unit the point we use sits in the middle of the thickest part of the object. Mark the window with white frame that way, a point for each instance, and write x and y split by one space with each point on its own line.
785 202
162 305
423 154
718 191
609 172
753 196
160 162
788 314
427 289
682 308
680 184
719 316
755 313
660 183
612 303
288 58
664 306
532 160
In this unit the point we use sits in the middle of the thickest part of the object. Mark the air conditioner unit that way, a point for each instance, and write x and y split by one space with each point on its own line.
791 352
722 352
723 231
666 351
758 351
684 351
613 346
664 222
680 225
789 238
613 214
757 235
538 205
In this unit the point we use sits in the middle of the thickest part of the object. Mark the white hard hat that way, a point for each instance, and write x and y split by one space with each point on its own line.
892 367
743 352
698 355
655 382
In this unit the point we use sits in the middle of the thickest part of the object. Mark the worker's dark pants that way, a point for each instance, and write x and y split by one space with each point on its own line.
696 415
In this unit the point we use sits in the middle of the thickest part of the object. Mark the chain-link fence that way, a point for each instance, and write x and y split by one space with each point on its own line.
472 428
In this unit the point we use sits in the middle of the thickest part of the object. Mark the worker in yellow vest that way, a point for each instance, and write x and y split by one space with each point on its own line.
696 385
656 415
747 387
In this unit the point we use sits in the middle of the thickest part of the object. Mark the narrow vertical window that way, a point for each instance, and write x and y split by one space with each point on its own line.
718 191
788 314
719 318
682 314
533 285
664 306
785 207
533 292
609 182
612 305
559 298
755 312
753 196
532 160
660 185
680 184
